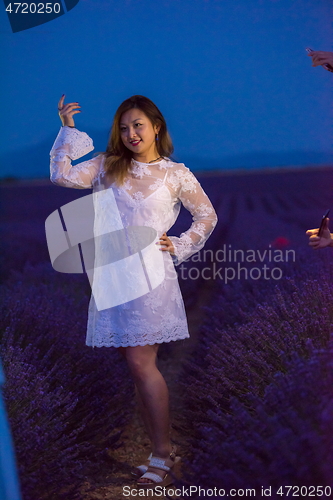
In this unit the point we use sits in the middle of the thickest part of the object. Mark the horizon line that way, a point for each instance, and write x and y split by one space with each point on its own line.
14 180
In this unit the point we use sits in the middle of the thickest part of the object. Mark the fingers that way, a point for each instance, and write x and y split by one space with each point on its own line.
322 60
314 239
166 242
315 242
70 109
70 106
61 101
163 240
319 53
320 57
65 107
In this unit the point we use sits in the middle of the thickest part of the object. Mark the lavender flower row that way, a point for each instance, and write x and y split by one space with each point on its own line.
66 404
256 379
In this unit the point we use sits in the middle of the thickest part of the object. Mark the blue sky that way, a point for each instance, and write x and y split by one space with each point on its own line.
230 76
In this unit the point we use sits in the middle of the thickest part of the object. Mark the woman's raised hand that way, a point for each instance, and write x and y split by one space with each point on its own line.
66 111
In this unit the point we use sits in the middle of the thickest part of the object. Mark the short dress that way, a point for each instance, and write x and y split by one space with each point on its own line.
150 198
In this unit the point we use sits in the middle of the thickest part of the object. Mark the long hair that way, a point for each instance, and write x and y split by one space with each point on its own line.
117 156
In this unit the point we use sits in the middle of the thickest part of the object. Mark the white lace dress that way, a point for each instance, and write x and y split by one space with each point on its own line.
151 196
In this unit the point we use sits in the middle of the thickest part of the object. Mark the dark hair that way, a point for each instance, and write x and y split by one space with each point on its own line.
117 155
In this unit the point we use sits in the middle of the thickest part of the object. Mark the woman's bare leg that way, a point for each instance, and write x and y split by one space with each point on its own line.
144 415
142 408
154 396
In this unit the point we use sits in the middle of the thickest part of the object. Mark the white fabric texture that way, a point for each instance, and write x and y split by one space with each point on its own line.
151 196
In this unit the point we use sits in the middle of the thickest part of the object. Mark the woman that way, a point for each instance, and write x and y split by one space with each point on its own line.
146 189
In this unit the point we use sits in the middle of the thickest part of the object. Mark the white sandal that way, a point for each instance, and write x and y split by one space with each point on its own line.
141 469
160 463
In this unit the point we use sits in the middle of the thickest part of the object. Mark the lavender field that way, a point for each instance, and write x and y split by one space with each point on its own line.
252 390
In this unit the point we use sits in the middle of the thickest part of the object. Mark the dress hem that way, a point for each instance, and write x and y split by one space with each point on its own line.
138 344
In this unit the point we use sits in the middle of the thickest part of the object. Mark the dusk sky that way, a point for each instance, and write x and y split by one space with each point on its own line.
231 77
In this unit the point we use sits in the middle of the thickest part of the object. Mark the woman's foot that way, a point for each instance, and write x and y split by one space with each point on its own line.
158 473
141 469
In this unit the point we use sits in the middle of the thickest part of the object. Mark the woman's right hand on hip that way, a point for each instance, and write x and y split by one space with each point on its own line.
66 111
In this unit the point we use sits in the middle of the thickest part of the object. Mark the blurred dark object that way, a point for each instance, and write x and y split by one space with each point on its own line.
9 483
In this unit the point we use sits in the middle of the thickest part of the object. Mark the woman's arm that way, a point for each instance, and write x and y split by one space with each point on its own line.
72 144
196 201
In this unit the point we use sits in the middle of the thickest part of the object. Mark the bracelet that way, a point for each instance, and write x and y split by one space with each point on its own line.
71 126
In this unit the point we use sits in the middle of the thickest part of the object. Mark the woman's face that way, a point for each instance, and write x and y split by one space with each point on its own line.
138 133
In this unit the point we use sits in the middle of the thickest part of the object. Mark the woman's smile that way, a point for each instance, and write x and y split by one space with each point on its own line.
136 128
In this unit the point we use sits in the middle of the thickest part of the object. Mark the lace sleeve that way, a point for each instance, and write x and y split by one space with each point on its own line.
196 201
72 144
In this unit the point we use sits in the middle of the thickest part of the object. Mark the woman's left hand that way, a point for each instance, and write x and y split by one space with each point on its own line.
167 244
